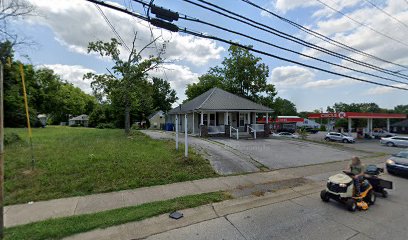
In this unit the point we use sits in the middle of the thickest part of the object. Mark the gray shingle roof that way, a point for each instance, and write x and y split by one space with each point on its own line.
217 99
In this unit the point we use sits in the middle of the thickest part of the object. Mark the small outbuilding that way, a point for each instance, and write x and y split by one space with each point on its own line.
157 120
81 120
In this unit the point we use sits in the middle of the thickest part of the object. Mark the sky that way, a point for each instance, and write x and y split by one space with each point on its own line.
62 30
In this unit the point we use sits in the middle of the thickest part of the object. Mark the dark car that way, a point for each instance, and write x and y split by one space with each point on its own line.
398 163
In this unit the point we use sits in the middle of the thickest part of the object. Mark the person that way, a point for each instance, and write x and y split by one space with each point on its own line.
357 169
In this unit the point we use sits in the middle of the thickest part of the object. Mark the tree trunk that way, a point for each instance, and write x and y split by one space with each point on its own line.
127 119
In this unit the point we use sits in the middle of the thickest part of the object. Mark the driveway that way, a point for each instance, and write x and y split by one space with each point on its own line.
223 159
284 153
230 156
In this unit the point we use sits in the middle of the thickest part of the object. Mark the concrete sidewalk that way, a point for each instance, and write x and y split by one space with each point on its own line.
26 213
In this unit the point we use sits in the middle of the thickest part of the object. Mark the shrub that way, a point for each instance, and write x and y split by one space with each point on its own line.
105 126
322 128
11 137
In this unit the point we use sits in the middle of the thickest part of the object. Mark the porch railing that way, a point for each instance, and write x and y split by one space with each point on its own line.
216 129
253 130
235 129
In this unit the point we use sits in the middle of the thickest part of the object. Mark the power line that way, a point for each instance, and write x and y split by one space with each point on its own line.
321 36
289 37
363 24
112 27
201 35
285 49
386 13
286 59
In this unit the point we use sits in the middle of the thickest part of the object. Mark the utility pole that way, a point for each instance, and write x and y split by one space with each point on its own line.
1 153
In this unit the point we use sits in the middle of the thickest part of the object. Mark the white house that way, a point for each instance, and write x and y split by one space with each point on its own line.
79 120
216 111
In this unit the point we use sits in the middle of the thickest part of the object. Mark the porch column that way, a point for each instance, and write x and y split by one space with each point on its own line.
226 118
368 126
193 124
267 118
388 125
349 126
254 118
202 119
249 118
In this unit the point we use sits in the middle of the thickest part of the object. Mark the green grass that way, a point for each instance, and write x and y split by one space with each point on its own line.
81 161
63 227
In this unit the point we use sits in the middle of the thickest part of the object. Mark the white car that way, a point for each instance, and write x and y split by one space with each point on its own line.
382 133
396 141
285 134
339 137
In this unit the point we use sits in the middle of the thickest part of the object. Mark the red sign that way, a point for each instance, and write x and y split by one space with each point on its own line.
356 115
280 120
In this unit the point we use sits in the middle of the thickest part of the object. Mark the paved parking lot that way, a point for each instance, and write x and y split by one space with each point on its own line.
370 145
282 153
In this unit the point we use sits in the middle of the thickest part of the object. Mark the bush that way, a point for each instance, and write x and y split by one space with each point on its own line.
105 126
135 126
12 137
322 128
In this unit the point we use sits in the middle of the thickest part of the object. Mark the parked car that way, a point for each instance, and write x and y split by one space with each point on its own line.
398 163
339 137
285 134
379 133
396 141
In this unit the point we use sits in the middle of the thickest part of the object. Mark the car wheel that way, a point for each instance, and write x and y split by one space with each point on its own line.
390 144
370 198
351 205
327 139
324 196
344 141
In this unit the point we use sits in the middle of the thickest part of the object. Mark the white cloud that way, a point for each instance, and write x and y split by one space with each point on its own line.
287 5
73 74
75 23
290 76
380 90
299 77
178 76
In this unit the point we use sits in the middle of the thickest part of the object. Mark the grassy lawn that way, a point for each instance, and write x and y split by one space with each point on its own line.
80 161
63 227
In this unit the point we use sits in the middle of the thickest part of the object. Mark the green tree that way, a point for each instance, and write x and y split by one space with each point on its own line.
205 83
241 73
284 107
123 86
163 96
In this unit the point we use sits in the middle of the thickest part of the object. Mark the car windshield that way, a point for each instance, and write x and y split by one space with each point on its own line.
403 154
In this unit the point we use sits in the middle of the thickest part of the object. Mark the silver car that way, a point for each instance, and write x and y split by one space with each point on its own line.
396 141
340 137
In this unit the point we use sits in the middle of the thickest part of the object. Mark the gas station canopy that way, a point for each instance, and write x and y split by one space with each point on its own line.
357 115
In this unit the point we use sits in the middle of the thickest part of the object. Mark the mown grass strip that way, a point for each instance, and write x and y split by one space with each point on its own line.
63 227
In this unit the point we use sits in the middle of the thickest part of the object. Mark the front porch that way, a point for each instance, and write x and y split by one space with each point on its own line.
230 124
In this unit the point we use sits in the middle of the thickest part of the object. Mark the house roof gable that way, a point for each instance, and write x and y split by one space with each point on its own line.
217 99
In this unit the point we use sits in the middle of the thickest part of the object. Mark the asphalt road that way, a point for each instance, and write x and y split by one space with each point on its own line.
307 217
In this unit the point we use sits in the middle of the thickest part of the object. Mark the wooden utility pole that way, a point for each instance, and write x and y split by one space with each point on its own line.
1 153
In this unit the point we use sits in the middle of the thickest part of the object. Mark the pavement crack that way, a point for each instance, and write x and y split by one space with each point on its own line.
226 218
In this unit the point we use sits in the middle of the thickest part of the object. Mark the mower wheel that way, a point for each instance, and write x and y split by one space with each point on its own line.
351 205
370 198
384 194
324 196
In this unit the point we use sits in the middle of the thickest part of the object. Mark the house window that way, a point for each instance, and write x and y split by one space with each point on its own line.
205 119
212 119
